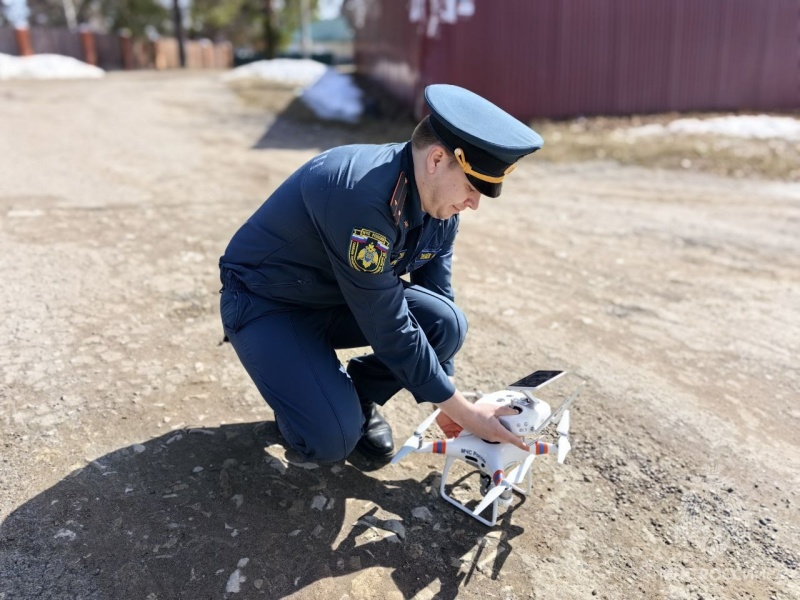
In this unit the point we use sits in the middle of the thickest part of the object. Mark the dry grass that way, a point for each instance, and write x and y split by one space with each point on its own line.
605 138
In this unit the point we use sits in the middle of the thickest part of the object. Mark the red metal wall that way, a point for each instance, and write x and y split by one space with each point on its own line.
388 48
559 58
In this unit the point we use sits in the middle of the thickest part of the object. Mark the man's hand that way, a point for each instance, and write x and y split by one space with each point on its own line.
450 428
479 419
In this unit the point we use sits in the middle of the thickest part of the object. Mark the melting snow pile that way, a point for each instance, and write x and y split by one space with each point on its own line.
330 94
300 72
745 126
46 66
334 96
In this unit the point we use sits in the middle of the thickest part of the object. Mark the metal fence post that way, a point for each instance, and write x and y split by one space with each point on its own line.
88 45
126 47
23 37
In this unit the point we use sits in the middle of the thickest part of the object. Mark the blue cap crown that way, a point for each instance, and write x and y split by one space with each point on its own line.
486 140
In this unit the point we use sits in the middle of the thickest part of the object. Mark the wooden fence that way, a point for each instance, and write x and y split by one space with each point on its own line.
110 51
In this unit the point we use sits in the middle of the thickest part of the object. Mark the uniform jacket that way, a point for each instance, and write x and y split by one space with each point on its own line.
342 230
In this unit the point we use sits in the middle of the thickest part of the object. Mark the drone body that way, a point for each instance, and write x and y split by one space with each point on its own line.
503 467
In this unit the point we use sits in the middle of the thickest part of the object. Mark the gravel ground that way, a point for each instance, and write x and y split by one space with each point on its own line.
139 461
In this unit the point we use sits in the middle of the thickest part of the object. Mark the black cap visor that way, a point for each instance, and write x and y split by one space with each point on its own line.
486 188
478 160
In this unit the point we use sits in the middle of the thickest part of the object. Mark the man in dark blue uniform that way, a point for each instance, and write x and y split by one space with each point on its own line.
318 267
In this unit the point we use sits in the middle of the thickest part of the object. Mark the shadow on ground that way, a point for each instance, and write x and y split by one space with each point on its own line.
213 513
295 127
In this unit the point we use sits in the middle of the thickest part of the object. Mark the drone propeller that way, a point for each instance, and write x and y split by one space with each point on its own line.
563 424
415 441
518 473
492 495
563 437
563 449
559 411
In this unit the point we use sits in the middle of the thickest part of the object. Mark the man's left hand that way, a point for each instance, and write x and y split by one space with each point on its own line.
450 428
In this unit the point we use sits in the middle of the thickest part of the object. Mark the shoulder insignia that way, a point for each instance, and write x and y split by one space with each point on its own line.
398 200
368 250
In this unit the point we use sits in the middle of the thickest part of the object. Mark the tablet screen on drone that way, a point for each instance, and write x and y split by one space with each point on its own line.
536 380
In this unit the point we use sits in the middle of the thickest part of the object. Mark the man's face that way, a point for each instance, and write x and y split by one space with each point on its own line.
448 191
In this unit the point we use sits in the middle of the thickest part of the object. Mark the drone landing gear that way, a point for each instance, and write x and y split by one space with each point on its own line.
511 483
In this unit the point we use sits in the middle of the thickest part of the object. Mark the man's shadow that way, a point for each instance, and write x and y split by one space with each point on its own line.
209 513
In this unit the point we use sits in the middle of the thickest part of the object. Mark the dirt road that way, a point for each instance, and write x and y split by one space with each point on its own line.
138 461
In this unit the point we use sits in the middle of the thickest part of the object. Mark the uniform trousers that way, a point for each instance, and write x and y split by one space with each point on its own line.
290 356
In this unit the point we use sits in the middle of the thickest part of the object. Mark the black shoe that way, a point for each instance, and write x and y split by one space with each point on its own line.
376 442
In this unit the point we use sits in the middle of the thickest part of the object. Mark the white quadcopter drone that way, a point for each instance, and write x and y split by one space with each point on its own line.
502 466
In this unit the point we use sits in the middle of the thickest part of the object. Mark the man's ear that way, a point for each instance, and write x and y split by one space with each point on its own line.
436 158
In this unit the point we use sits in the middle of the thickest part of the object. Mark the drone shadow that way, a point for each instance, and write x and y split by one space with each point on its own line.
212 512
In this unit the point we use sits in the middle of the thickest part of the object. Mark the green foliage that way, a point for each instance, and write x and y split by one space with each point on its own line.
248 23
136 16
111 15
217 14
234 20
264 25
288 20
48 13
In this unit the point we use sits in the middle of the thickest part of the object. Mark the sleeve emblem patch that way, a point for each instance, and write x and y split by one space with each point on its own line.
398 258
368 250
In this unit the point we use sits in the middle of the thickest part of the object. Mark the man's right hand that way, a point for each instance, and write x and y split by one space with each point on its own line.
481 419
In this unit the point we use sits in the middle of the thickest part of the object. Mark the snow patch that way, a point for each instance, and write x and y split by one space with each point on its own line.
335 97
301 72
743 126
331 95
46 66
